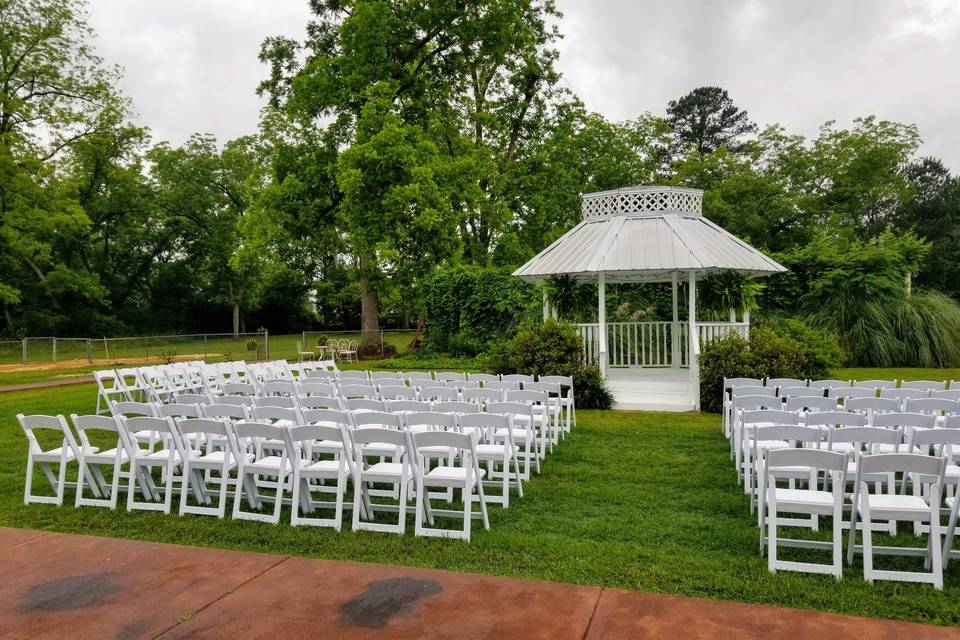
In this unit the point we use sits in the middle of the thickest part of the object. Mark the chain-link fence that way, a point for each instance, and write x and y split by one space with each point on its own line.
212 347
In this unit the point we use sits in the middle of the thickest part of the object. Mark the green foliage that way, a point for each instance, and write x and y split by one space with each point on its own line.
551 348
787 349
707 119
719 293
466 308
431 362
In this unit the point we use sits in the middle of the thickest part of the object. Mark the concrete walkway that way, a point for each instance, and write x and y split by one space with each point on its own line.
57 585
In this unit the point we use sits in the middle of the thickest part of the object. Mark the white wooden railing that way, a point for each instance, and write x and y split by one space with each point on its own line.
649 344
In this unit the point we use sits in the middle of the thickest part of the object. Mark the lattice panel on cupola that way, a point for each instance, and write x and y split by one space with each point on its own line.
642 200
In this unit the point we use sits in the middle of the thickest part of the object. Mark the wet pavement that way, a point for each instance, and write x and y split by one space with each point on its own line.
56 585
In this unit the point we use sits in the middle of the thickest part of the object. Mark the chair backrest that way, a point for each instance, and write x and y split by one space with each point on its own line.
820 459
744 403
553 388
442 394
904 419
367 435
358 391
398 392
245 432
447 376
563 381
318 402
828 384
935 438
530 397
789 432
486 425
786 382
953 393
912 463
429 420
229 411
731 383
932 405
852 392
131 409
865 437
189 426
335 416
31 423
502 385
378 418
456 406
307 434
364 404
461 443
285 402
811 404
836 419
82 424
795 392
399 406
238 389
178 411
522 378
748 390
322 374
317 388
511 409
270 415
876 384
904 394
483 377
412 376
353 377
871 404
385 377
462 384
130 426
924 385
239 401
769 416
479 396
278 388
192 398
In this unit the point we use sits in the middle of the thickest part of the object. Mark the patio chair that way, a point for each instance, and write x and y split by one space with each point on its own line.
812 501
303 354
62 455
927 473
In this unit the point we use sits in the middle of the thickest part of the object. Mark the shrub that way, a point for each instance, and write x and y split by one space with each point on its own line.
786 349
466 308
551 348
431 362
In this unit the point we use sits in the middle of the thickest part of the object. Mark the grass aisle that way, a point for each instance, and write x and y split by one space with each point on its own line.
629 500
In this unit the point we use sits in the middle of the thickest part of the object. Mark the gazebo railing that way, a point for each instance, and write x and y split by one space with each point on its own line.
649 344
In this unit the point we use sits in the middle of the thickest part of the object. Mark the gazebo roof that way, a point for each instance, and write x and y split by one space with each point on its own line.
645 234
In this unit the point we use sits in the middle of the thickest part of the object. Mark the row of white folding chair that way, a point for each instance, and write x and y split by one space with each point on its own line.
182 451
869 511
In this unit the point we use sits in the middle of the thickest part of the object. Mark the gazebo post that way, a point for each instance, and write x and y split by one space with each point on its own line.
694 344
675 327
602 320
546 305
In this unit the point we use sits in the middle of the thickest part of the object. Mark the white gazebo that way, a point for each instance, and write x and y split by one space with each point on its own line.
648 234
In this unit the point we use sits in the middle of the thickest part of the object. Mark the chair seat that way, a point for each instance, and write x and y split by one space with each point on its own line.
457 475
803 498
886 503
53 455
518 434
323 466
267 464
768 444
491 450
161 455
386 470
105 457
380 449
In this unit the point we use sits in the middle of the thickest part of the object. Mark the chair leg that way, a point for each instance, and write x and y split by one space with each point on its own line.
467 510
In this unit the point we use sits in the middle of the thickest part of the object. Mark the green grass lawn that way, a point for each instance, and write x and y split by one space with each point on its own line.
642 501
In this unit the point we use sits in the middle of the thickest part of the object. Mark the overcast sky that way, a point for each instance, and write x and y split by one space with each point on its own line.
192 65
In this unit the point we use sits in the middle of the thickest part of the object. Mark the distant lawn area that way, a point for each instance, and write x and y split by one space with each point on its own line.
644 501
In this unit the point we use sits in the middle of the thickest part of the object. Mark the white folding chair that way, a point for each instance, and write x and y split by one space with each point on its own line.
254 470
522 430
354 377
201 455
924 385
398 474
729 385
143 462
927 473
108 389
398 392
876 384
316 388
62 455
312 460
351 391
466 476
449 376
319 402
746 424
91 460
495 454
566 399
812 501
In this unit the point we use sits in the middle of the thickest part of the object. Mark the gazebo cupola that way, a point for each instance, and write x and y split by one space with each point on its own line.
648 234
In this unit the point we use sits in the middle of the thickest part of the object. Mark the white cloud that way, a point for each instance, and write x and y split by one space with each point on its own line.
192 65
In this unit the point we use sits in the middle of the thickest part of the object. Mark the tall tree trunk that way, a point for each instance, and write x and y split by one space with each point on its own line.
369 307
236 319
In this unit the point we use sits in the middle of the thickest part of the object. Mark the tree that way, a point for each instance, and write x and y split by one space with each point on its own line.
473 78
707 119
54 91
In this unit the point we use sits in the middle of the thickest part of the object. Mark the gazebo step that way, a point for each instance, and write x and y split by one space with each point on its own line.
650 389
